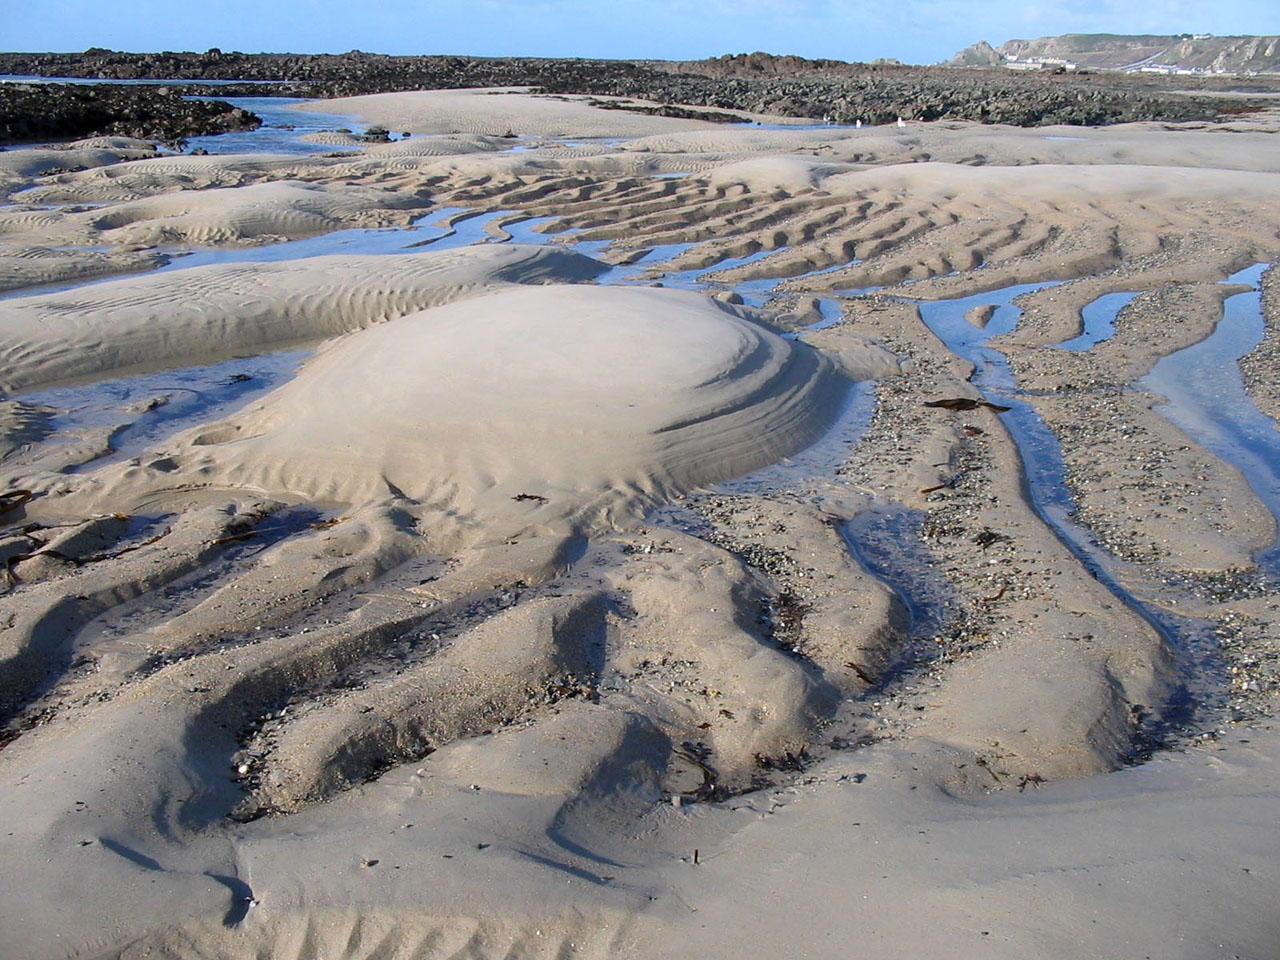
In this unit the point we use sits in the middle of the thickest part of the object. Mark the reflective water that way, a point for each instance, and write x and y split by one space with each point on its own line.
283 127
1205 392
1099 319
1044 469
1208 401
887 543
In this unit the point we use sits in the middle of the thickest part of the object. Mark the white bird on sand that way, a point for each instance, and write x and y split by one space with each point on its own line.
901 123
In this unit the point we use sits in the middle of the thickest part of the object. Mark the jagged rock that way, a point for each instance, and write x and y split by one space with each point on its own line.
57 111
980 54
815 89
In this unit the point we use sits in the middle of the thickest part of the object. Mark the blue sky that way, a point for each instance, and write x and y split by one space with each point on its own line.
915 31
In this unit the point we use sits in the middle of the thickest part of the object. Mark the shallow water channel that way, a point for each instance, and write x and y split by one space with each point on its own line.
1206 399
283 127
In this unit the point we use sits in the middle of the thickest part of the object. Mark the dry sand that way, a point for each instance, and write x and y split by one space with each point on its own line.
444 648
218 311
501 111
25 267
17 167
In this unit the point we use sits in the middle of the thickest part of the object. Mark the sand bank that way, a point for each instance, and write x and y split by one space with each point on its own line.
17 167
263 212
203 314
122 182
498 111
31 266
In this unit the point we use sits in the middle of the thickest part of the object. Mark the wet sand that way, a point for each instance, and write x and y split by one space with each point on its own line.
471 639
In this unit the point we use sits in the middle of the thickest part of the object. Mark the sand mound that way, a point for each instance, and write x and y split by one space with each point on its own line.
332 138
1131 143
736 140
496 111
256 212
29 266
429 146
1060 184
144 178
209 313
486 173
443 146
787 175
114 143
100 151
40 224
558 401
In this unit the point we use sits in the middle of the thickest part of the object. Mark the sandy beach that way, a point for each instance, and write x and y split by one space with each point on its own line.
573 532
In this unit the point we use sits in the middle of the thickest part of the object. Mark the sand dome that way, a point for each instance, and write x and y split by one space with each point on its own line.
591 398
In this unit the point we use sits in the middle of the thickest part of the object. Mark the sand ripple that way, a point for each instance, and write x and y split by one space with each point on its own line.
215 312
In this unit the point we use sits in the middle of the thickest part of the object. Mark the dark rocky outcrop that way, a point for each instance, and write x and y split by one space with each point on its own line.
57 111
791 86
881 94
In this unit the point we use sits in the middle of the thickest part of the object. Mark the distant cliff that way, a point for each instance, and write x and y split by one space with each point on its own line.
981 54
1105 51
